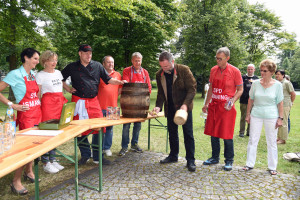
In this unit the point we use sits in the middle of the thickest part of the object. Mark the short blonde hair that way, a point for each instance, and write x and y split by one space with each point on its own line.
269 64
46 55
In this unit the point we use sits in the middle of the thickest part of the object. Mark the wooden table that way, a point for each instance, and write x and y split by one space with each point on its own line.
97 123
28 148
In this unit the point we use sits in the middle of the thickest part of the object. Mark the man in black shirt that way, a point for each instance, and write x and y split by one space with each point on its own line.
247 82
85 77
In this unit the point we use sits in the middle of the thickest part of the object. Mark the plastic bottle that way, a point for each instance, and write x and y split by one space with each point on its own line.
10 123
228 104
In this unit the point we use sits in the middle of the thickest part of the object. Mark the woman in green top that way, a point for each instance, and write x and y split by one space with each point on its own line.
289 97
266 106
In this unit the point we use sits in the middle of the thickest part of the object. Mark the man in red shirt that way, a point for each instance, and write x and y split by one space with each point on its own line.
108 96
226 87
134 74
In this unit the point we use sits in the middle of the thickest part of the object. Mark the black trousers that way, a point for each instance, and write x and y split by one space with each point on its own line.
189 141
228 149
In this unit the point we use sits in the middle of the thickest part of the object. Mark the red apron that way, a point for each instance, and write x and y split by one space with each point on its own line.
138 77
52 104
93 109
220 122
32 116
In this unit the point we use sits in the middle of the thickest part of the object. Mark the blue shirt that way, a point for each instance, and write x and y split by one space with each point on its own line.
15 79
265 100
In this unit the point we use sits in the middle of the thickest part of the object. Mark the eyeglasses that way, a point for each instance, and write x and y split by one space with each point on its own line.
264 71
219 59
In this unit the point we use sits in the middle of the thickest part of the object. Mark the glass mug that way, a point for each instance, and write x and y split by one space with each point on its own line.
116 112
6 136
109 113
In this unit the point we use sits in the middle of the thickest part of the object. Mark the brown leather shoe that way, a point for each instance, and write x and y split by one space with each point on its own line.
281 142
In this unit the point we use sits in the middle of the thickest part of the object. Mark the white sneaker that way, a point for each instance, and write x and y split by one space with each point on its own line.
108 152
57 165
49 168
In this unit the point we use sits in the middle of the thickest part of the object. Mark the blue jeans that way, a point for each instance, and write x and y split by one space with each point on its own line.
135 134
50 156
228 149
85 149
289 124
107 139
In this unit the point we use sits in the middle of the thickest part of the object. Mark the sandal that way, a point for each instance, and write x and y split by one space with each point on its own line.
31 180
23 191
246 168
273 172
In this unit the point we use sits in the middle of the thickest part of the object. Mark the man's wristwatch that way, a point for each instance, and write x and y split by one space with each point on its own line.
280 118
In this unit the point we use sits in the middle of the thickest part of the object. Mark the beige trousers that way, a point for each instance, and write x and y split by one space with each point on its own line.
243 109
283 130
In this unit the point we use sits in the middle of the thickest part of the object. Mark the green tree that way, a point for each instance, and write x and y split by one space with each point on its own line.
144 26
262 34
17 29
19 19
286 64
295 67
251 32
288 49
207 26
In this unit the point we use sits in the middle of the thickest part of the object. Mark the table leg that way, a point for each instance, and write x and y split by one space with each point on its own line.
76 167
149 124
36 182
100 139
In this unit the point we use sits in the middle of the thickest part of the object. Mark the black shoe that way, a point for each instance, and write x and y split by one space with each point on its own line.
28 178
247 134
191 166
137 148
104 161
23 191
228 166
211 161
123 152
168 160
83 161
241 135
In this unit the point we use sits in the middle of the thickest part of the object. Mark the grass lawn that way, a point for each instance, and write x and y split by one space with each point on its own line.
158 141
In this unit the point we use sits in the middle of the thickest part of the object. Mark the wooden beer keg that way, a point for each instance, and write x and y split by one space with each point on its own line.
135 100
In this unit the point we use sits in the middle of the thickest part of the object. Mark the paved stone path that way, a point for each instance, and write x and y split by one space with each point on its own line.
141 176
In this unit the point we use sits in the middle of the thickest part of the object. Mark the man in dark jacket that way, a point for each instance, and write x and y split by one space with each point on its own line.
247 82
176 90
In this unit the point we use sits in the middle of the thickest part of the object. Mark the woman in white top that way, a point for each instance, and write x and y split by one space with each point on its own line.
49 81
266 106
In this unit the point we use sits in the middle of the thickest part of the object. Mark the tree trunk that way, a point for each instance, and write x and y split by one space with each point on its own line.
12 66
126 37
13 57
